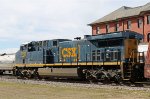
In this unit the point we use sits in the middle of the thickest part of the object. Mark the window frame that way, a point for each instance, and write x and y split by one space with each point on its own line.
148 37
107 28
55 43
117 27
94 58
129 24
98 30
139 23
148 19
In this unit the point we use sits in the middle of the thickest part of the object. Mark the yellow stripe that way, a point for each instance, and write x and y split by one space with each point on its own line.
70 64
20 65
29 65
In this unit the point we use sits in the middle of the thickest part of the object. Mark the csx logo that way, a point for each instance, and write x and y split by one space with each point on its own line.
69 52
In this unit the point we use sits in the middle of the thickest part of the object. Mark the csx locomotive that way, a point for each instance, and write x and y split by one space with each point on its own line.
104 57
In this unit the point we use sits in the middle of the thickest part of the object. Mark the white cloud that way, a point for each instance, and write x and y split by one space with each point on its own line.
27 20
25 17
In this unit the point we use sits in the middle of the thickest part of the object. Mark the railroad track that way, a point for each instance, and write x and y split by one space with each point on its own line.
76 83
8 76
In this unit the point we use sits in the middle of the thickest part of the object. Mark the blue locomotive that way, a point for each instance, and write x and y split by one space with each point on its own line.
111 56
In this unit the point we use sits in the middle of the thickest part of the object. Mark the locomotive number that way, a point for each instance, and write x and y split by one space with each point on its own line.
69 52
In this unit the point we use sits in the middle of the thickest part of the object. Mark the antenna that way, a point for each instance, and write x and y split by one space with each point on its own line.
78 38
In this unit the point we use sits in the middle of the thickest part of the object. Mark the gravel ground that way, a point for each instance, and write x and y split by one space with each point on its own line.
34 89
66 84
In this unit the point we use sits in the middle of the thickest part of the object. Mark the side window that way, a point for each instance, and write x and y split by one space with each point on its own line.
117 27
98 55
139 23
148 19
93 55
98 30
21 48
44 43
128 24
107 28
108 55
37 46
31 47
148 37
40 43
54 43
102 56
40 46
115 55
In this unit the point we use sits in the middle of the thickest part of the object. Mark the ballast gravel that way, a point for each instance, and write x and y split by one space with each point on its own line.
71 85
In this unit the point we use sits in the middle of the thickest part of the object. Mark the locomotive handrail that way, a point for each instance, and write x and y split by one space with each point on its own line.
134 59
131 57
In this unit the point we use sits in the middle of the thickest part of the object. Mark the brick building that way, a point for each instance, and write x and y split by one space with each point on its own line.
125 18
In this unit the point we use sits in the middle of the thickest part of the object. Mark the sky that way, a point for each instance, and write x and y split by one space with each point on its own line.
33 20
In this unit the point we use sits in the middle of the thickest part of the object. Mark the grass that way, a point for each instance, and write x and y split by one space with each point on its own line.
11 90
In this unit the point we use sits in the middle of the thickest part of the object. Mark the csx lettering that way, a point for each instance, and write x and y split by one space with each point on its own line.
69 52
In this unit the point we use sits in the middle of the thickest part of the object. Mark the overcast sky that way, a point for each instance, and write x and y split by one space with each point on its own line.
26 20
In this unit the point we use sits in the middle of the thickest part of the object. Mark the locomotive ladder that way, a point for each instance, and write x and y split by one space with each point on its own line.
128 67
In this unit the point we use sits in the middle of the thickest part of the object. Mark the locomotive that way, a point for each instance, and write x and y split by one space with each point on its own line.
104 57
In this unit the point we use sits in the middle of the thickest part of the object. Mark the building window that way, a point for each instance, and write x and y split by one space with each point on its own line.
128 24
98 30
117 27
107 28
148 19
139 23
148 37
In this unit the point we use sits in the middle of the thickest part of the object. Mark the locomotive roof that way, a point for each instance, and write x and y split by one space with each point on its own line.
59 40
115 35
